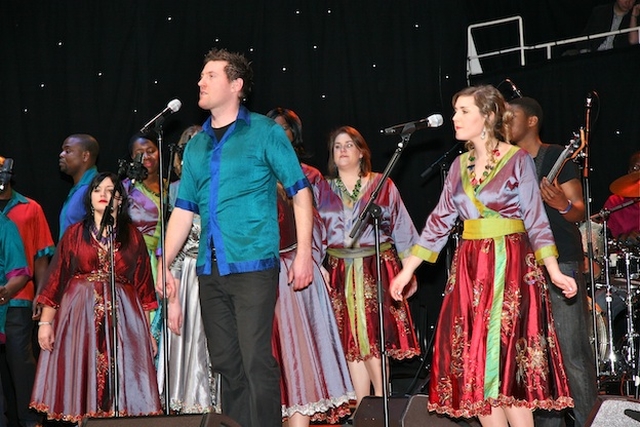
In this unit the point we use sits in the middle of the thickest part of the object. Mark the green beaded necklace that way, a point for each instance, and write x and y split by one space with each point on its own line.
356 189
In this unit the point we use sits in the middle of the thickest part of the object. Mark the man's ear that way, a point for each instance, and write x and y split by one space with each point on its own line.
237 85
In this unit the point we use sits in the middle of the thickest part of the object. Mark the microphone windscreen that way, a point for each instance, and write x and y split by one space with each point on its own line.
174 105
435 120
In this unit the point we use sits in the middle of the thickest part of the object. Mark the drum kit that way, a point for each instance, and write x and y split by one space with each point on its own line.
614 265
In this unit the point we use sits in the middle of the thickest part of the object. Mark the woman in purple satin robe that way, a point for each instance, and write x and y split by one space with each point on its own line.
496 354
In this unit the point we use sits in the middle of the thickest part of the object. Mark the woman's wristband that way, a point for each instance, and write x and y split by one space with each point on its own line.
45 323
567 209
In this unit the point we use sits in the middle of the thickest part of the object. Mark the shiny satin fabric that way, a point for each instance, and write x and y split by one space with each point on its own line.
355 304
495 343
314 375
353 289
192 385
314 379
529 365
72 381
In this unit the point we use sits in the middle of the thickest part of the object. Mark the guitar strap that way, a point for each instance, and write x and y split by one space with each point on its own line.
539 159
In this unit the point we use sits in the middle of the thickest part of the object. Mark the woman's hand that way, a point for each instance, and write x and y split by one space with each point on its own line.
154 346
175 317
397 286
46 336
566 283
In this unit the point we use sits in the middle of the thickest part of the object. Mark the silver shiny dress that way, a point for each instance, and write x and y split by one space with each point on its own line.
191 384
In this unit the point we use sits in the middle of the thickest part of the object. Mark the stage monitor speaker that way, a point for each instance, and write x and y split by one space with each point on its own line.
186 420
403 412
614 411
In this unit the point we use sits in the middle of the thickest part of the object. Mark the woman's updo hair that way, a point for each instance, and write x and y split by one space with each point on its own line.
489 100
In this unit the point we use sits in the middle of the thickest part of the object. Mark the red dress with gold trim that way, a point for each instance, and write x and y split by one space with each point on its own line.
73 380
495 342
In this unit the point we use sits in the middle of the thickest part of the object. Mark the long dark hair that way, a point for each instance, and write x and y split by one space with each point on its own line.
122 216
295 124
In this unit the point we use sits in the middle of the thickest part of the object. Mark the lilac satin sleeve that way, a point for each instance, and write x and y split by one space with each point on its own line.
534 216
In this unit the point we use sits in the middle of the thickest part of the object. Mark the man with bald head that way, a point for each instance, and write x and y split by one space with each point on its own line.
78 160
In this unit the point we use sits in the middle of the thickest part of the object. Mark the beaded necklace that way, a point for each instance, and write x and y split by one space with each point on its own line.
491 164
103 240
356 189
149 190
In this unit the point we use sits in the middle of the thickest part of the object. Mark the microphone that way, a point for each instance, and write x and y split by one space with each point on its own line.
133 170
176 149
589 100
5 173
514 88
433 121
172 107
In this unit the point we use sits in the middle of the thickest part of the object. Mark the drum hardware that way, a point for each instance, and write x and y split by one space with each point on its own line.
617 277
626 186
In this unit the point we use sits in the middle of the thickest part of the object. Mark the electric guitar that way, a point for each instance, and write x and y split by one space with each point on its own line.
570 151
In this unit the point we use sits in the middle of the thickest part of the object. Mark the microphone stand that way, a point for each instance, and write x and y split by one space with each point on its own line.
165 321
371 210
441 161
111 315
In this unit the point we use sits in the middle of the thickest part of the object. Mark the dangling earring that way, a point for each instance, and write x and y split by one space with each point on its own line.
483 135
92 210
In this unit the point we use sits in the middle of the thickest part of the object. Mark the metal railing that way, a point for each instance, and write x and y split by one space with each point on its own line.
473 58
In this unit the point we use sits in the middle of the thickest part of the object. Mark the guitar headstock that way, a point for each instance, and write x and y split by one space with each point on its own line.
576 144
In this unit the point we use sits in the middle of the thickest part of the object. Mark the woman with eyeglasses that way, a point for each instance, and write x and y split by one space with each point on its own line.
351 265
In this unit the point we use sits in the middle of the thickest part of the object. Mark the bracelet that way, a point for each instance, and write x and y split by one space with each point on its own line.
45 323
567 209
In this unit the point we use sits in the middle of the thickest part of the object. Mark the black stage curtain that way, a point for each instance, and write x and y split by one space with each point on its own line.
105 68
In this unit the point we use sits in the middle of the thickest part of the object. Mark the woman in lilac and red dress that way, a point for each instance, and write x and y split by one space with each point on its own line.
496 354
351 266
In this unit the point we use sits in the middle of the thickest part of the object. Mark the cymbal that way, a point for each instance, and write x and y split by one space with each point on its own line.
627 185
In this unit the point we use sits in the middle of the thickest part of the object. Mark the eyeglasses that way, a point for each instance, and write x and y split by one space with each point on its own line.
347 146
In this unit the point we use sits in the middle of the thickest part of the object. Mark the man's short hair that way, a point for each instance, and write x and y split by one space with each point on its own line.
530 106
238 67
88 143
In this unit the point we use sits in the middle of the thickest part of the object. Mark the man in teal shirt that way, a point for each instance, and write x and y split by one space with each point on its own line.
229 176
